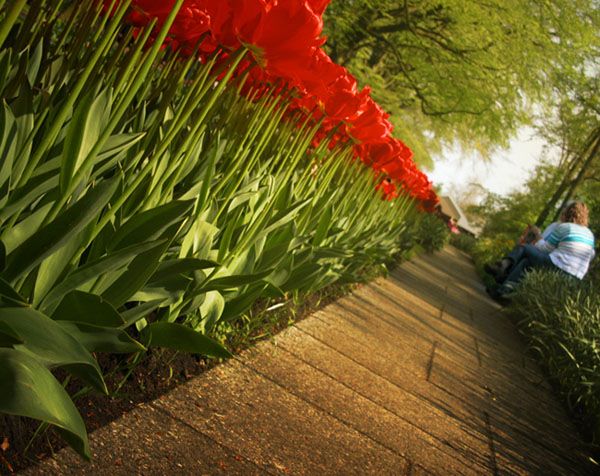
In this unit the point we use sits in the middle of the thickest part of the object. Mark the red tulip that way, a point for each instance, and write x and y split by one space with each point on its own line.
318 6
284 37
388 189
371 125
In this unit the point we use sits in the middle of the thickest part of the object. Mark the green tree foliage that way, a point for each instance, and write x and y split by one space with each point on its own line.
572 124
573 110
459 70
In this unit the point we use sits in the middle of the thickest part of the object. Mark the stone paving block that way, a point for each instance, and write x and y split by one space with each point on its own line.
342 316
439 322
410 356
500 383
409 374
413 398
410 279
147 441
255 417
370 347
516 454
530 413
391 327
361 412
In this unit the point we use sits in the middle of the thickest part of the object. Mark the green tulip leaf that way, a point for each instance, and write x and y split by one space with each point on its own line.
150 224
170 268
51 345
9 297
8 142
141 268
102 339
131 316
28 389
211 308
55 234
84 130
8 337
235 281
182 338
82 307
241 304
92 270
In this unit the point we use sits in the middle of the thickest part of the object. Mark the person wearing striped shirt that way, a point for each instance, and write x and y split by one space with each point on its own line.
532 234
568 248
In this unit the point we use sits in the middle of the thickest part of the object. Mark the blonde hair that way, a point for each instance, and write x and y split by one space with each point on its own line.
576 212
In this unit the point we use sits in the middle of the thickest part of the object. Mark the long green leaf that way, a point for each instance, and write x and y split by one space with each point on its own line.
182 338
28 389
119 143
52 236
137 274
106 264
51 345
102 339
16 235
235 281
8 142
8 336
9 297
170 268
242 303
131 316
212 309
150 224
78 306
89 119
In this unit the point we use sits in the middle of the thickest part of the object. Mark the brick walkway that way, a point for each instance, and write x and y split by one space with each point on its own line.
414 374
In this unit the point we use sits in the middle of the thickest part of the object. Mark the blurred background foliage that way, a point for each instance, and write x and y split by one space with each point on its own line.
467 73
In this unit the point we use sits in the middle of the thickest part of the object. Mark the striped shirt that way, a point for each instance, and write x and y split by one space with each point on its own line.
571 248
549 229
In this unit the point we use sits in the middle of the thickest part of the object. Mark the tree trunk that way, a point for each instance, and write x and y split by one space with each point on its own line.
568 184
593 149
558 193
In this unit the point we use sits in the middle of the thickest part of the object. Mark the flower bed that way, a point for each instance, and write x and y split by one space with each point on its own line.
164 166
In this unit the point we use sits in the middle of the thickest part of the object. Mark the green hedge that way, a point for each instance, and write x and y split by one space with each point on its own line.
560 317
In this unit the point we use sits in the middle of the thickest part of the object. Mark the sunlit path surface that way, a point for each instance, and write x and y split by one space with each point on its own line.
415 374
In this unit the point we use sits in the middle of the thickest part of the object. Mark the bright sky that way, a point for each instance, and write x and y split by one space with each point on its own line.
505 171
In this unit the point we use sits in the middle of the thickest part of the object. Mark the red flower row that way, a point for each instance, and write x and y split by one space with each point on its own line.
284 37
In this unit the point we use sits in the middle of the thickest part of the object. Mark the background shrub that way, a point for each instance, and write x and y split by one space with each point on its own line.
431 233
463 242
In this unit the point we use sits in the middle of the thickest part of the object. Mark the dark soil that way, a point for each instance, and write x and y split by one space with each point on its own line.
23 442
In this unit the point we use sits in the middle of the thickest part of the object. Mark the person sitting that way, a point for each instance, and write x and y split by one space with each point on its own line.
567 247
531 235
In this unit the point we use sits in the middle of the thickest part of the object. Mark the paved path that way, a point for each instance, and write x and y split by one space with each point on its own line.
415 374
